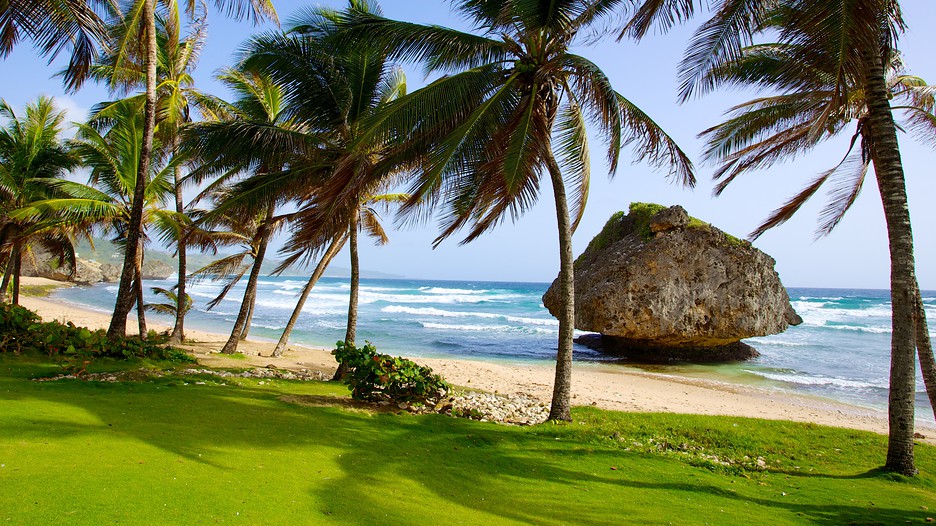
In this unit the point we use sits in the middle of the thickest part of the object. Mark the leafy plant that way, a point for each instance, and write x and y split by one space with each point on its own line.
171 307
78 347
376 377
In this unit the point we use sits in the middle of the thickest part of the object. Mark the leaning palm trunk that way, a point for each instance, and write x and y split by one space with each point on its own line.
329 254
250 313
890 178
178 330
351 332
7 275
250 294
125 295
561 407
17 263
141 307
925 350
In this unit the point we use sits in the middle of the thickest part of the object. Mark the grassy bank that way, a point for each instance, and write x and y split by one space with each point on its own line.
201 450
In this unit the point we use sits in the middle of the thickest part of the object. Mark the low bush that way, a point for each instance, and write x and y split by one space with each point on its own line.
22 332
375 377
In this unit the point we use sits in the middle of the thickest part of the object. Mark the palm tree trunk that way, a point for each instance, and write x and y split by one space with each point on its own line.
7 274
125 295
264 233
250 313
561 407
17 269
890 178
329 254
178 330
925 350
351 332
141 307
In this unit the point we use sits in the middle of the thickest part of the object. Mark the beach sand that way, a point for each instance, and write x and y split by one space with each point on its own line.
609 387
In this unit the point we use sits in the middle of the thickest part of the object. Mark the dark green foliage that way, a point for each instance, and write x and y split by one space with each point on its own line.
376 377
22 332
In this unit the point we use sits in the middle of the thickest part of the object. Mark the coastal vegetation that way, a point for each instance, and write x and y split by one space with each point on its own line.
322 125
160 447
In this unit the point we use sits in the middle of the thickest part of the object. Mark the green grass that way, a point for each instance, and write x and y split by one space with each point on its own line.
171 451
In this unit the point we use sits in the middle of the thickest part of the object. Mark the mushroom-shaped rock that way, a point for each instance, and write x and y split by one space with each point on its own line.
660 286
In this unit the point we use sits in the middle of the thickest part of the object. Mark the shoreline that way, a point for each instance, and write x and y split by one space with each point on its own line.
618 388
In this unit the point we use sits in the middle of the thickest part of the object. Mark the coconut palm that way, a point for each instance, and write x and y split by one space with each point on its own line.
763 129
177 98
174 302
366 219
33 158
242 146
250 236
331 89
55 26
862 36
512 106
140 40
109 144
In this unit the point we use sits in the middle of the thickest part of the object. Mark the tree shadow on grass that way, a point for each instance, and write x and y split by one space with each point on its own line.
407 469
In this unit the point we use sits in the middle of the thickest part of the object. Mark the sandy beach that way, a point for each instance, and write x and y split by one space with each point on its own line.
605 386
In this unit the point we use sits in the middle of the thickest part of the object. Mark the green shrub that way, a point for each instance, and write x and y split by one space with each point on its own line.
375 377
22 332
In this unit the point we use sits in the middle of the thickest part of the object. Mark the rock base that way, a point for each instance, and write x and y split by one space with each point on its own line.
641 352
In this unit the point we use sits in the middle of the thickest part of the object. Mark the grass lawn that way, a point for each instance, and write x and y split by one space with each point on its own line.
199 450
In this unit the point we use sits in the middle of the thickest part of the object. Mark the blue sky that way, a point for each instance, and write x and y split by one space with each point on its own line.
854 256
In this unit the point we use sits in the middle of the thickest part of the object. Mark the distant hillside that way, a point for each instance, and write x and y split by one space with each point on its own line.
105 252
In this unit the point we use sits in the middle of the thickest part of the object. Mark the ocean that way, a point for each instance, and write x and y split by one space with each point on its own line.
841 351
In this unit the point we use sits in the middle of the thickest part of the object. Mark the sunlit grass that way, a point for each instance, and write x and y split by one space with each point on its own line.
202 449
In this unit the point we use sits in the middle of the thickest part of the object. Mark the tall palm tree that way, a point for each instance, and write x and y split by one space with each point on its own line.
367 219
33 158
252 137
760 129
109 144
486 129
331 89
863 36
140 40
177 98
55 26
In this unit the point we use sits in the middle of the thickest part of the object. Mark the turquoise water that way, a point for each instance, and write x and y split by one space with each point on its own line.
841 351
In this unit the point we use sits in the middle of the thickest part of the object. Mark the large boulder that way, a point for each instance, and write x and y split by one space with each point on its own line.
661 286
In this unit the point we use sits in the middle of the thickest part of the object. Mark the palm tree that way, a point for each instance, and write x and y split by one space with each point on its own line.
109 144
173 304
331 89
250 235
140 40
484 133
862 37
32 159
57 25
761 128
367 219
176 99
253 135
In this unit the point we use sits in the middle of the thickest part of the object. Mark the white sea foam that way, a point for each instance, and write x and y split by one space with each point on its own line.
818 380
271 327
487 328
871 330
776 342
441 290
432 311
